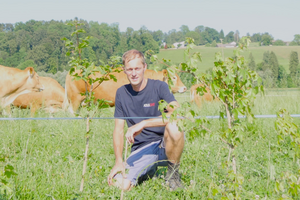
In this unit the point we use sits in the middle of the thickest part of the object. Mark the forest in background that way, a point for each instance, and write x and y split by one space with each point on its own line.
38 44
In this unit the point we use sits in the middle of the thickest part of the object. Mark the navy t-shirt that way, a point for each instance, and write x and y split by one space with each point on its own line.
129 103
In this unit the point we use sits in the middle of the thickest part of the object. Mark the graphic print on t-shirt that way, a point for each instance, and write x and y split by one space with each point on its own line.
146 105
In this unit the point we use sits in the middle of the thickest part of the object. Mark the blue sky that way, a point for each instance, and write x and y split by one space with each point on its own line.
279 18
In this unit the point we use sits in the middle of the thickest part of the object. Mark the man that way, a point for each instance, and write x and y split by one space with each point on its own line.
155 142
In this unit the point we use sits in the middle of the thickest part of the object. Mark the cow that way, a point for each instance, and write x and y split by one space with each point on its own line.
15 82
51 97
196 98
107 90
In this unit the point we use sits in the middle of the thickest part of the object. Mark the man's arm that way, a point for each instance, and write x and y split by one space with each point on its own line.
118 140
154 122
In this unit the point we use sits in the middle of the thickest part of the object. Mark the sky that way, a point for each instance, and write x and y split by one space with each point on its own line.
280 18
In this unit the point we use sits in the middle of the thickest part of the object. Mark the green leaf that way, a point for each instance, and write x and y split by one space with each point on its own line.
215 192
153 58
4 181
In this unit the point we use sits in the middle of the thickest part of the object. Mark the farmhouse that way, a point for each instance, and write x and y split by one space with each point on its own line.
179 44
229 45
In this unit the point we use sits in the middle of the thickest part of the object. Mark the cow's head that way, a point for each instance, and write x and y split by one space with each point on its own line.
178 86
33 82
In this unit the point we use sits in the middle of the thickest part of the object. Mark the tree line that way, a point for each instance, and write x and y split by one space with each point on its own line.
39 44
210 37
275 75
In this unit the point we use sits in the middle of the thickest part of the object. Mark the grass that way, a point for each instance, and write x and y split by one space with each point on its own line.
208 54
48 156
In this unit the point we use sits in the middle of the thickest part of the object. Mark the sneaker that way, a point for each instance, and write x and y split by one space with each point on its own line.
173 177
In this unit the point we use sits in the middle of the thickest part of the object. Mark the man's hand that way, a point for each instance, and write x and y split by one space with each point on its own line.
119 167
133 131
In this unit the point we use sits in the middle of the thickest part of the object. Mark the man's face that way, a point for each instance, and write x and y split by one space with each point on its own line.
134 70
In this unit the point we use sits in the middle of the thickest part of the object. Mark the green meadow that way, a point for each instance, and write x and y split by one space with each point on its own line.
208 54
48 156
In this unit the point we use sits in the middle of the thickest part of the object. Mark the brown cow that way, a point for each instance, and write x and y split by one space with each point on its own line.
197 98
107 90
51 97
14 82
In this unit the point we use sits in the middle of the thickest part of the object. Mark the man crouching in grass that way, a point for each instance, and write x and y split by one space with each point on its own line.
153 139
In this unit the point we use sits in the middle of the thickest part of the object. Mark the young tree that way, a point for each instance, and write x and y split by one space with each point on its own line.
221 35
229 37
297 39
274 65
282 77
266 60
214 44
237 36
82 69
294 62
234 85
289 134
252 64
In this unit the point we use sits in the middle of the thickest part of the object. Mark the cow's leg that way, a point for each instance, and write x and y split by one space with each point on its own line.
6 111
75 103
33 109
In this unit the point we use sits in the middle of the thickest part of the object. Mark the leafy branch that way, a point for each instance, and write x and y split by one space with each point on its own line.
83 69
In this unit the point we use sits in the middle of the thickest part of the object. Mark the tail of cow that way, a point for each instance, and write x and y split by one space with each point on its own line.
65 104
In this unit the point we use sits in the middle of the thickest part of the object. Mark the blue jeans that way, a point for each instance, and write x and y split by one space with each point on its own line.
143 162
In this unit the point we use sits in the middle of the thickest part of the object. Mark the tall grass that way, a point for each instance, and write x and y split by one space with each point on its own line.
48 157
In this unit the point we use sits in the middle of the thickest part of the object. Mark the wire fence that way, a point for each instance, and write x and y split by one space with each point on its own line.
82 118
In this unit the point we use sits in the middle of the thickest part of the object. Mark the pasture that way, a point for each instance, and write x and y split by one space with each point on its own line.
208 54
48 156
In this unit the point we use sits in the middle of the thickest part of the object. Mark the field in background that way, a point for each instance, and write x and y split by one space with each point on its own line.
208 54
268 104
48 156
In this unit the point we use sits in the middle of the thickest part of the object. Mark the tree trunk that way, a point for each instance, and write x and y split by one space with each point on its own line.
231 149
125 161
234 164
86 153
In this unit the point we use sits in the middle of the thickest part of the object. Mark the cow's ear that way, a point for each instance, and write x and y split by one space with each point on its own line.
30 72
165 73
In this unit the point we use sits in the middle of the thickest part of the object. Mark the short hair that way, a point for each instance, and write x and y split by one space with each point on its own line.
132 54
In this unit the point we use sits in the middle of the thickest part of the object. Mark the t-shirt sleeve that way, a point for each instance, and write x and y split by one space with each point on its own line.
164 93
118 106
